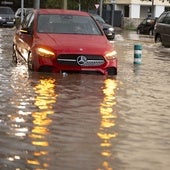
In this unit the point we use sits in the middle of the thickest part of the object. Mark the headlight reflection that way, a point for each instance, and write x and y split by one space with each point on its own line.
44 100
106 132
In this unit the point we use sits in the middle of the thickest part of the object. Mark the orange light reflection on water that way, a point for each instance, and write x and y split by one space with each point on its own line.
46 97
106 131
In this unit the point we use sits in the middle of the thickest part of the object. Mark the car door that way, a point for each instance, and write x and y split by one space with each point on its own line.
149 25
141 26
166 34
24 36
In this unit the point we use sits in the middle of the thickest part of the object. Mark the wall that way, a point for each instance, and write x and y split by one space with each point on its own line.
131 23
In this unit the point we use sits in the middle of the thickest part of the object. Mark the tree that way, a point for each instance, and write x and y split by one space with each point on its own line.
86 5
72 4
54 4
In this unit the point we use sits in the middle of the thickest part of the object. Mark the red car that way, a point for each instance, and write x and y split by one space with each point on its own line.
55 40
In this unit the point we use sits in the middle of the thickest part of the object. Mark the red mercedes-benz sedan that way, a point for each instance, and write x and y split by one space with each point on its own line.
55 40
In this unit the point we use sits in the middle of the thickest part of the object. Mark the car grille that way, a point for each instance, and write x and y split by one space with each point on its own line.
9 19
80 60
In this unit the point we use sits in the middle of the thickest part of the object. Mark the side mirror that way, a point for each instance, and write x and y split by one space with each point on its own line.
107 33
24 31
107 21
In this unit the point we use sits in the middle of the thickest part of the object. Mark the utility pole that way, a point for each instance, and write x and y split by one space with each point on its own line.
79 5
22 10
152 9
101 7
36 4
65 4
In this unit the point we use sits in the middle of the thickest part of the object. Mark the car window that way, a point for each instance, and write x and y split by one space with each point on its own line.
161 18
30 20
30 23
99 19
167 19
6 11
26 21
144 21
67 24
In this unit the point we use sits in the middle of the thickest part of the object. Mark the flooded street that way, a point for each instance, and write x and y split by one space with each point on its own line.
87 122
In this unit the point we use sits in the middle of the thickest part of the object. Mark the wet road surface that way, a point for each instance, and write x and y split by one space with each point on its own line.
87 122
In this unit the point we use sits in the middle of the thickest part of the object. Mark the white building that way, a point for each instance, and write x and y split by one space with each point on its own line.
141 8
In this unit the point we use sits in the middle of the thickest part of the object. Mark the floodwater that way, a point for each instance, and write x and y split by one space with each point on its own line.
87 122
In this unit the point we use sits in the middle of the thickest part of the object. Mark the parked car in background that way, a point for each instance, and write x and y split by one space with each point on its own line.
6 16
108 29
146 26
162 29
54 40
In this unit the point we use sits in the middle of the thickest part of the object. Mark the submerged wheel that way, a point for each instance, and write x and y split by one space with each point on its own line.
158 39
138 31
150 32
30 62
112 71
14 56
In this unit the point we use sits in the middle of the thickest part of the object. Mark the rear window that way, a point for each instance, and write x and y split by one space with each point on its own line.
67 24
6 11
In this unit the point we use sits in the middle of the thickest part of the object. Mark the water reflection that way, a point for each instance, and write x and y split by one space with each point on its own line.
108 121
1 40
45 98
14 118
19 102
31 104
95 126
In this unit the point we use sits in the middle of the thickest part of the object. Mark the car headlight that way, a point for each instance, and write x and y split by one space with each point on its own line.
111 29
111 55
0 17
45 53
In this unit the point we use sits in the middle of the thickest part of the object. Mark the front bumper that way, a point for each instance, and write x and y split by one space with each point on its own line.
91 64
6 23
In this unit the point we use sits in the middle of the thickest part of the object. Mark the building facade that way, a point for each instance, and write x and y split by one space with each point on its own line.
142 8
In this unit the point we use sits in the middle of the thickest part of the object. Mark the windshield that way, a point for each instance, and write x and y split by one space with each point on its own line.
6 11
98 19
67 24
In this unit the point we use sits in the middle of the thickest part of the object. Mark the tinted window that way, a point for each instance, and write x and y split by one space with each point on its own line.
98 19
167 19
67 24
6 11
161 18
27 21
144 21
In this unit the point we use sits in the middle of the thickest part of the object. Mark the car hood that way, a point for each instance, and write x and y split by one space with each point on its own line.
7 15
74 43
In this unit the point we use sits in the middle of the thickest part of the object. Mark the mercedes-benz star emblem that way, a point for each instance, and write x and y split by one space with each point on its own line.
81 60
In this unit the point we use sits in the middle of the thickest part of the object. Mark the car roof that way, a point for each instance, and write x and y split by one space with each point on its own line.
5 7
166 12
61 11
19 9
